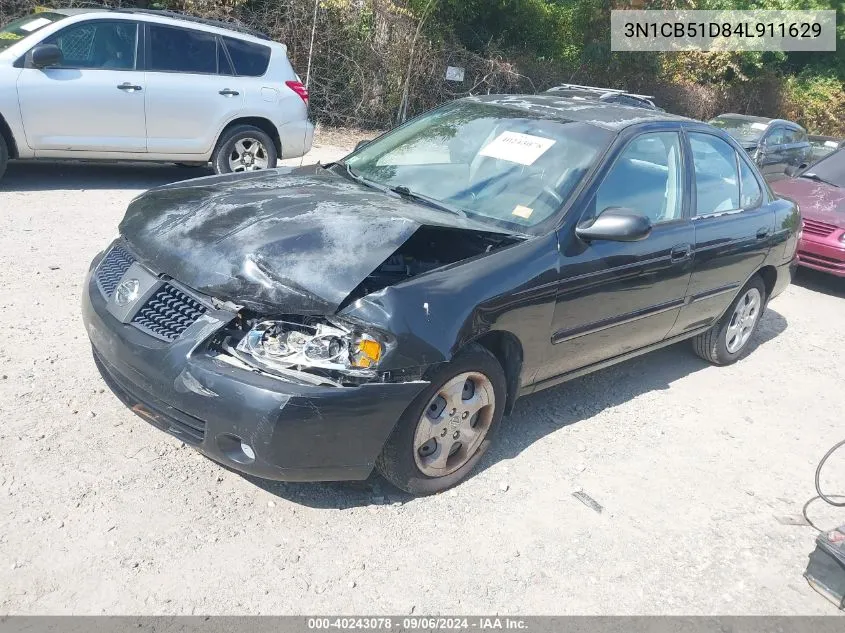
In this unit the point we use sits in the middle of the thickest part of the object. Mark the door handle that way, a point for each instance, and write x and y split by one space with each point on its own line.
681 252
226 92
129 87
762 233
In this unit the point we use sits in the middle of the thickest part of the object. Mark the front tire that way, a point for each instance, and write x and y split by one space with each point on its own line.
244 148
727 341
445 431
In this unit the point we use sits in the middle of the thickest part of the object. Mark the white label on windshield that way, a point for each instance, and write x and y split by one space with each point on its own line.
35 24
517 148
832 144
759 126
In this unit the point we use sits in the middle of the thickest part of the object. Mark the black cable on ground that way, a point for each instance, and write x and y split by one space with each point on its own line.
807 517
828 499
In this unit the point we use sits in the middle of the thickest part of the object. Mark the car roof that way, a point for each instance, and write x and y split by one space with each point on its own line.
610 116
173 18
758 119
744 117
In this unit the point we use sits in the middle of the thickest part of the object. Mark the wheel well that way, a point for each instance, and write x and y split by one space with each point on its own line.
508 351
6 133
769 276
264 125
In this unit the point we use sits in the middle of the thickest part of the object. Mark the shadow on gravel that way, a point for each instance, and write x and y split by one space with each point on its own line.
820 282
535 417
73 175
547 411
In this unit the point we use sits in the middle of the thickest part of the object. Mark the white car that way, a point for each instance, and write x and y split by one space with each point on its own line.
147 86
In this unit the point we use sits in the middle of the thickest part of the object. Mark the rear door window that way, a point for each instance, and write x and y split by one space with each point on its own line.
751 195
716 178
223 65
249 59
172 49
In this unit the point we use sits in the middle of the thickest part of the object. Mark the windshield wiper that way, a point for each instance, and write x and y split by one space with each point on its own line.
348 171
403 191
811 176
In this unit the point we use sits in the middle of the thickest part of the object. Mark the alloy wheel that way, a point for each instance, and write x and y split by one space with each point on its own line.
743 320
248 154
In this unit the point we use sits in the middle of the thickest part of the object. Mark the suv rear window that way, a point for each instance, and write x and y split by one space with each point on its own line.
172 49
250 60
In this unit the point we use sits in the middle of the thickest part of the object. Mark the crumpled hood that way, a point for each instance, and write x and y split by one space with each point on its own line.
284 241
817 200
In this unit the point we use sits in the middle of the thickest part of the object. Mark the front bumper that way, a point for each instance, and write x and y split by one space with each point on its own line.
294 432
826 254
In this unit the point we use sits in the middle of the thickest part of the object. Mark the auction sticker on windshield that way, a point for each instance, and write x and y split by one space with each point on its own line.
522 212
34 25
515 147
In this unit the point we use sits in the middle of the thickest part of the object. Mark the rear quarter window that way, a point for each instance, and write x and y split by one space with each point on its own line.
249 60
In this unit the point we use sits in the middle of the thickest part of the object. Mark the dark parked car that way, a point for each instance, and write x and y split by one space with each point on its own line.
388 309
820 192
775 144
824 145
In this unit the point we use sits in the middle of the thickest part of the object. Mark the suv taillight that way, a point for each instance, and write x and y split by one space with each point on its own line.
298 88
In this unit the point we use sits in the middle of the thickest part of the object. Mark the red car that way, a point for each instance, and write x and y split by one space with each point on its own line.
819 191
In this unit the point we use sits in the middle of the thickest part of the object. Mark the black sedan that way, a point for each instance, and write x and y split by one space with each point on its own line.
777 146
387 310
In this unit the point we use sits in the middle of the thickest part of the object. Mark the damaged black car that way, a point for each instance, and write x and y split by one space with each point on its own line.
387 310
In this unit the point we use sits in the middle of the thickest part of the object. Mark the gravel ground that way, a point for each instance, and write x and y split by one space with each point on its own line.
699 470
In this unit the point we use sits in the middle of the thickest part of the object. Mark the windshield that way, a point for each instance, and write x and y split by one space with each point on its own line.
830 169
499 165
15 31
743 130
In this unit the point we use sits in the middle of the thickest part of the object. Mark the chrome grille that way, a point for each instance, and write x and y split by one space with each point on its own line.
814 227
112 267
168 313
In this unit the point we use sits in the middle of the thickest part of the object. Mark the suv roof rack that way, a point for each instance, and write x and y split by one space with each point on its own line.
232 26
613 95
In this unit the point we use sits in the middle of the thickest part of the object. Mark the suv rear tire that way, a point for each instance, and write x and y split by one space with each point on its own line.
4 156
727 341
244 148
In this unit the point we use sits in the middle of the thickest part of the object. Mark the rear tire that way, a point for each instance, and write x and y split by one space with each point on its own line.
728 340
4 156
244 148
446 430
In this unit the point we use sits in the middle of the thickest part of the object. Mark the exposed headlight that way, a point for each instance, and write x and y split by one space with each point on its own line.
331 346
842 237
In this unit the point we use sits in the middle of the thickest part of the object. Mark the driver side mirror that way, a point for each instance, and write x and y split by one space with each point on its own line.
46 55
361 144
615 224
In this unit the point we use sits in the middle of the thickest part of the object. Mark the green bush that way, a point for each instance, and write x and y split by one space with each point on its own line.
363 50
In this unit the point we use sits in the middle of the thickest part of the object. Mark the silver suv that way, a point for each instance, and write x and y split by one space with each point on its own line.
147 85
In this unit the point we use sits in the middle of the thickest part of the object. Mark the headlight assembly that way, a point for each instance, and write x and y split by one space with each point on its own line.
331 346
